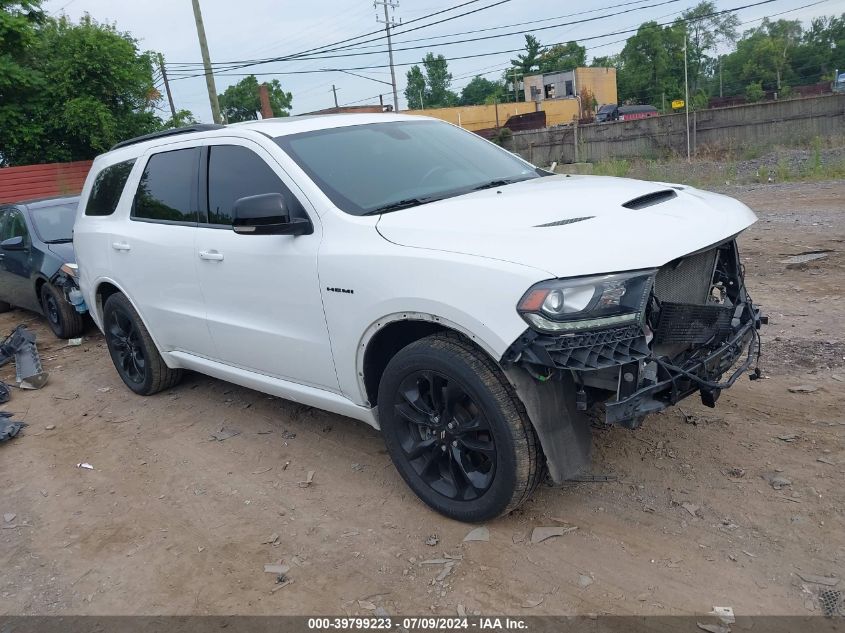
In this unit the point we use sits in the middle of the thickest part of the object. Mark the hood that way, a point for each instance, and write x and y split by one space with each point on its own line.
573 225
63 251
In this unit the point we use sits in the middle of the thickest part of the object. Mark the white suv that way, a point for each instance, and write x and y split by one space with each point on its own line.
407 273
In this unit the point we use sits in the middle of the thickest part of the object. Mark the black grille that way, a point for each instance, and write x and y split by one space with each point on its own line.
587 351
687 280
685 323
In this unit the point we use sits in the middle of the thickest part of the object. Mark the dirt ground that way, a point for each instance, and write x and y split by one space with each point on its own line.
173 521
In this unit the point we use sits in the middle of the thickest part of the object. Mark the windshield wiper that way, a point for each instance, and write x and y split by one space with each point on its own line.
61 240
501 182
396 206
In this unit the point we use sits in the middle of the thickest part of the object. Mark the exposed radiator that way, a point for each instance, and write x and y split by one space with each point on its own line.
687 280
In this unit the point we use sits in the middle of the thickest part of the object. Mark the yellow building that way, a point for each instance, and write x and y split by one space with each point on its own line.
480 117
555 93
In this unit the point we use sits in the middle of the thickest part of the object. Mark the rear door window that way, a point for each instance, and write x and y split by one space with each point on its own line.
168 186
235 172
108 185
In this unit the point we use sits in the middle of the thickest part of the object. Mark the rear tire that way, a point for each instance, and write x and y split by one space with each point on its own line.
62 318
456 431
133 351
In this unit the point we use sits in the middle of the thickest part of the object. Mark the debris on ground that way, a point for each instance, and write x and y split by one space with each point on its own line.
831 603
74 342
9 428
273 540
20 344
366 604
50 427
261 471
541 534
585 581
279 569
828 581
776 480
85 465
530 603
797 261
461 609
309 479
725 614
789 437
692 509
803 389
478 534
737 473
224 434
432 540
8 517
104 389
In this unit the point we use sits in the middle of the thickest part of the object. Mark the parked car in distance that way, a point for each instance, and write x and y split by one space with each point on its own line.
37 267
405 272
613 112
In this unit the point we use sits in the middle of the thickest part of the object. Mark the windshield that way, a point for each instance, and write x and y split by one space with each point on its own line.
54 224
380 167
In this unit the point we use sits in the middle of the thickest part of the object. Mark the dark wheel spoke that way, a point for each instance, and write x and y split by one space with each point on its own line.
476 445
421 448
444 435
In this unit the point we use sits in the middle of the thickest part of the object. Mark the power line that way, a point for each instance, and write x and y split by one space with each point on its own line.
490 53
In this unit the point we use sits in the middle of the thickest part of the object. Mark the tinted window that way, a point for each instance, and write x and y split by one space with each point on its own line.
15 226
54 224
107 188
365 168
166 190
235 172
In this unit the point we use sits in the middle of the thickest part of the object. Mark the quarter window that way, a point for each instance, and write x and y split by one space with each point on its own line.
108 185
236 172
167 187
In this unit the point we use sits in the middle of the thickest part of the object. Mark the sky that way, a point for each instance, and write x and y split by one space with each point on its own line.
259 29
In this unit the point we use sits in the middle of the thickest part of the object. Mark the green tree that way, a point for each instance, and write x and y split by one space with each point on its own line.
415 88
20 82
763 55
563 57
182 118
433 85
605 61
705 31
480 91
241 101
529 62
651 65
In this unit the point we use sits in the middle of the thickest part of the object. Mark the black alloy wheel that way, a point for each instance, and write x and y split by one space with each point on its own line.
127 350
445 436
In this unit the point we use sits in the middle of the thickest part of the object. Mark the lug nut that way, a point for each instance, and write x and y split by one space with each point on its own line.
443 447
450 426
455 443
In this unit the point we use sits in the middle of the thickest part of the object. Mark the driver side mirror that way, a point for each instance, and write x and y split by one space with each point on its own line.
13 244
267 214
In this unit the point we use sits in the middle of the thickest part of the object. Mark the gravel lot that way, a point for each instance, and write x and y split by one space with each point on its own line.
171 520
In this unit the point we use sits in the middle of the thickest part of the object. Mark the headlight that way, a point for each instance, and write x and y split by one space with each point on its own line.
583 303
71 270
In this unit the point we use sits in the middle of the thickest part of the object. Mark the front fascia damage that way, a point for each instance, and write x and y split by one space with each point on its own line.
698 323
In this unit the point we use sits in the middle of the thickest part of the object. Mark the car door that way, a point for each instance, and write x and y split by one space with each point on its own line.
16 286
262 292
152 250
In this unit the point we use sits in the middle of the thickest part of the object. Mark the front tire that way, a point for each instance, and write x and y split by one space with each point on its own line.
456 431
133 351
62 318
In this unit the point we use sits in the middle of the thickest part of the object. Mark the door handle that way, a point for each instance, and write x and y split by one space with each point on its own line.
121 246
213 256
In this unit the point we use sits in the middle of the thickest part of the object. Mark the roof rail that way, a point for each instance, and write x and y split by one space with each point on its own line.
199 127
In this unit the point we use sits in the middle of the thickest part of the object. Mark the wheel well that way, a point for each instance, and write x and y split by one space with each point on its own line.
388 341
104 291
39 284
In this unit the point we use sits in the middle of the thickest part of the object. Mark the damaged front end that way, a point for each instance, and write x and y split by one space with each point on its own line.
640 342
67 279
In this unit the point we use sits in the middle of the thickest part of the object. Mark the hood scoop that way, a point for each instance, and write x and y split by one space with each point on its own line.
563 222
651 199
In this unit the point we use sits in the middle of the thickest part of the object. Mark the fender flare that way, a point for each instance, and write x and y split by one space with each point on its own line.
379 324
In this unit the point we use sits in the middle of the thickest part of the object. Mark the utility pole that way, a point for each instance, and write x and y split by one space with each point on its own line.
166 86
720 76
206 62
334 90
388 22
686 96
515 96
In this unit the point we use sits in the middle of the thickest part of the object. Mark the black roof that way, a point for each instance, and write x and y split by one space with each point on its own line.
199 127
